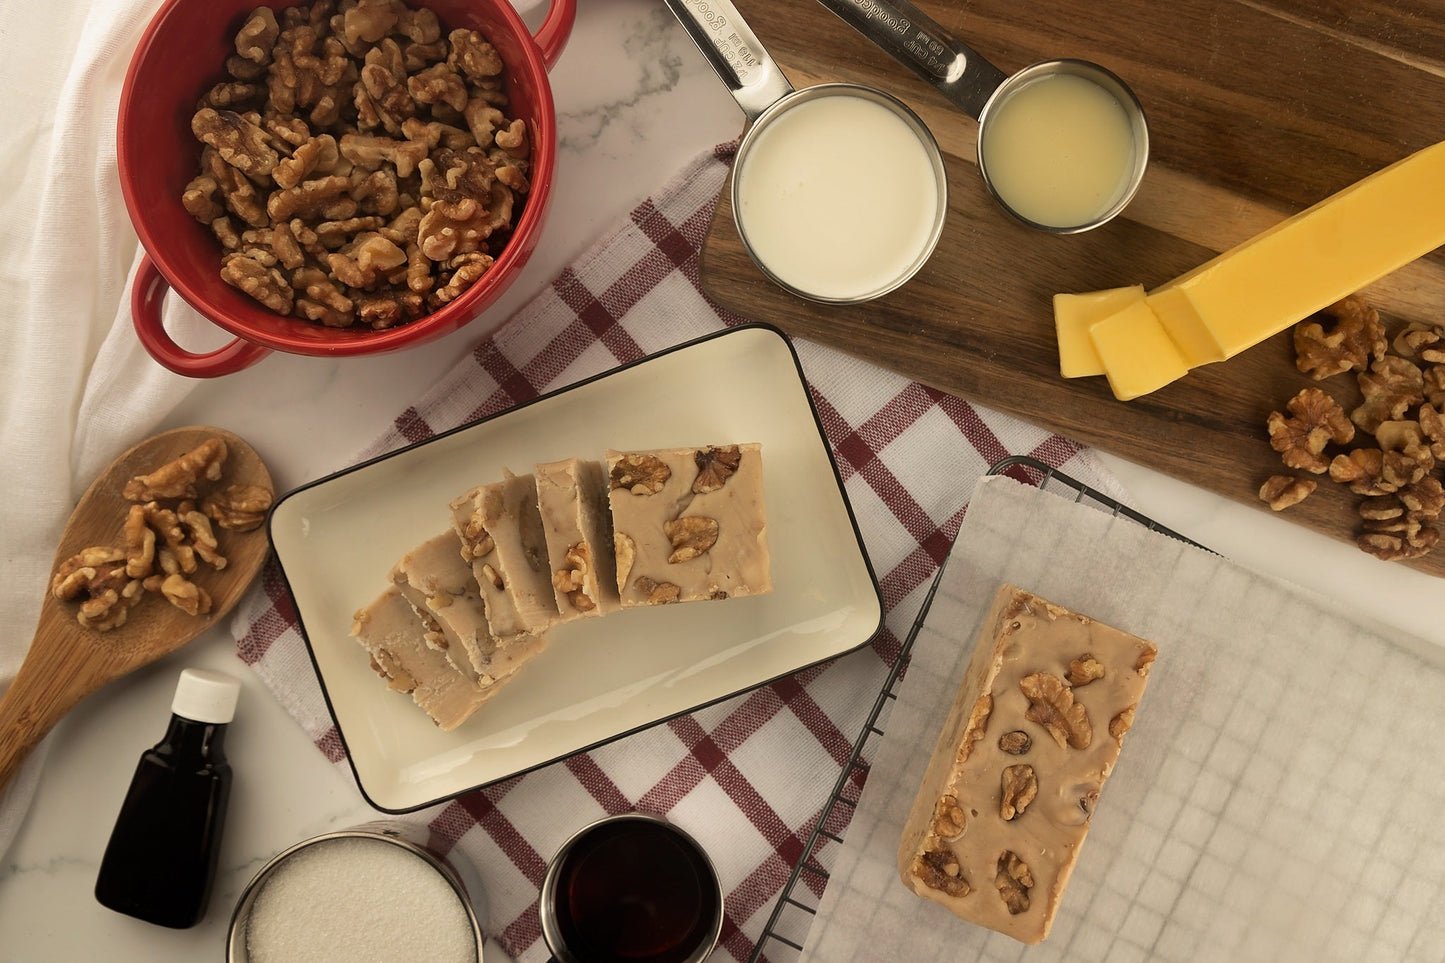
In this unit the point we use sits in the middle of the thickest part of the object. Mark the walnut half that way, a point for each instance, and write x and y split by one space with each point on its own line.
1015 743
640 474
1052 705
938 868
178 478
1283 491
1343 337
714 467
1014 880
658 593
948 818
572 580
1316 421
1084 669
238 508
1018 787
691 536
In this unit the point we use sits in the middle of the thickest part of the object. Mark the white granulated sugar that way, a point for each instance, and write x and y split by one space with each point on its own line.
350 899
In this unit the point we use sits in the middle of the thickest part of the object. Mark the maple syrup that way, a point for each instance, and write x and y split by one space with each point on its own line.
633 889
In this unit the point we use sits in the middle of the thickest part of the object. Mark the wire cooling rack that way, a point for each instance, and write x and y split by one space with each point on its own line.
792 916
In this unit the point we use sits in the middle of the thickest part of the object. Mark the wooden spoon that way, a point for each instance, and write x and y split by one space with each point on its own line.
67 661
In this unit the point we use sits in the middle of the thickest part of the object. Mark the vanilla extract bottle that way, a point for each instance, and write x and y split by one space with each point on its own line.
161 859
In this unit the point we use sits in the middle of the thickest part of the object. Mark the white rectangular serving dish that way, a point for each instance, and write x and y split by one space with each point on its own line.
336 539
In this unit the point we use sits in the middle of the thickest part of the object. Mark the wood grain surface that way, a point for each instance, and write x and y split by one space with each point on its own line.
1256 110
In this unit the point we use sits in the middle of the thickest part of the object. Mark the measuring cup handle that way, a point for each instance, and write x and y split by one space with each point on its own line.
724 38
909 36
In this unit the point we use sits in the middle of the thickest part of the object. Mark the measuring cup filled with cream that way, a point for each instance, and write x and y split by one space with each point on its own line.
839 191
1062 145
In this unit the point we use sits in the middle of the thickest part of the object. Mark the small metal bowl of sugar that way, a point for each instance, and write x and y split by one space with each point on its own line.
382 890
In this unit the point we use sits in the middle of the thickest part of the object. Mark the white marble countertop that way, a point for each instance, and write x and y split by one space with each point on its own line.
635 102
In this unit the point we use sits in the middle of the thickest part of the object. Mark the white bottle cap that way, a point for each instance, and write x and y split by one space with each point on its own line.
206 696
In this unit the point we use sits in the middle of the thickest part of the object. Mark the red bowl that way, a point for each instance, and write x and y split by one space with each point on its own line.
179 57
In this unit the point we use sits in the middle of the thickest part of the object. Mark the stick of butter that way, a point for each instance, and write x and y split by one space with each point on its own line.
1305 263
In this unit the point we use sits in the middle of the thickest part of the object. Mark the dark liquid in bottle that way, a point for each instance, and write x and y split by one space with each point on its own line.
161 859
634 890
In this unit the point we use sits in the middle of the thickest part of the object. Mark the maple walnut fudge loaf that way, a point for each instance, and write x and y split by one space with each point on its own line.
689 523
1033 734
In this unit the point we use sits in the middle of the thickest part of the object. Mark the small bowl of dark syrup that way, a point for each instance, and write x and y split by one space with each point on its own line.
631 888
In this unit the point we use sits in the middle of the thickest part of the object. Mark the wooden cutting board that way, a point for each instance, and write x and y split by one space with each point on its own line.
1256 110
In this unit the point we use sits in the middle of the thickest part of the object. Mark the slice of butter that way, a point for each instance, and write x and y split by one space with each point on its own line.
1308 261
1137 354
1074 314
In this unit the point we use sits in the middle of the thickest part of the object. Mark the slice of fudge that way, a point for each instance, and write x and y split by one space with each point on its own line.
396 639
689 523
572 499
1033 734
502 538
441 587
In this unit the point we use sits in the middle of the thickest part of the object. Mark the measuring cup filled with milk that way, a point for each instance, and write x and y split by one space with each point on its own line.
1062 145
839 191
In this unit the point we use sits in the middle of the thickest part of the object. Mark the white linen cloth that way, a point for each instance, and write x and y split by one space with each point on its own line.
76 387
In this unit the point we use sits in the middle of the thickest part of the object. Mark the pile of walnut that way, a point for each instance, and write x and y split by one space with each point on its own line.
167 536
1397 432
359 165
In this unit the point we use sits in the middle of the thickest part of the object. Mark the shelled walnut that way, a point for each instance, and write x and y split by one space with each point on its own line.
572 580
640 474
1283 491
938 868
1343 337
1402 389
165 538
691 536
1013 881
359 163
1015 743
714 467
1083 670
1052 705
1018 787
1316 421
949 820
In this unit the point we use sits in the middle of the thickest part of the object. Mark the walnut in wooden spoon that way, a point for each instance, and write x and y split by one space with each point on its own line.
68 661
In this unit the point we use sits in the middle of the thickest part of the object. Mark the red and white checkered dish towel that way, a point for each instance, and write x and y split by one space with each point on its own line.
750 776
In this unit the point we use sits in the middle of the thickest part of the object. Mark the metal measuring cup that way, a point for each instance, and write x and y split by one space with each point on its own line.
960 74
765 95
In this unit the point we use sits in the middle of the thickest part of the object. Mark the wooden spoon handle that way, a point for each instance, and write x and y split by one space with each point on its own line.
53 678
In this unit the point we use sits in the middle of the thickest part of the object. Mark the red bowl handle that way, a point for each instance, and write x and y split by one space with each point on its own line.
552 35
146 295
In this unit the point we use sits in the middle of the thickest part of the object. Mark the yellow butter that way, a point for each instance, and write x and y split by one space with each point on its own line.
1308 261
1074 314
1137 353
1185 327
